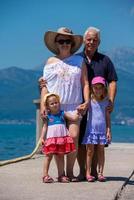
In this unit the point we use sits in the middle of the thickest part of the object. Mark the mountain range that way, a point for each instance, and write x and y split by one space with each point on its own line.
19 87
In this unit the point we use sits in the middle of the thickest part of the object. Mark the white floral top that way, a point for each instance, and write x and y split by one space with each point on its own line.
64 79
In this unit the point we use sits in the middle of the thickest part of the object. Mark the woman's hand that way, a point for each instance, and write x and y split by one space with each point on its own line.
82 108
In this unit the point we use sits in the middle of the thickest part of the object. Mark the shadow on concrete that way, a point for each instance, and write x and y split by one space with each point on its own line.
124 179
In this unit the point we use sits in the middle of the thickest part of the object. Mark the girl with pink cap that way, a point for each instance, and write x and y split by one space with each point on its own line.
98 129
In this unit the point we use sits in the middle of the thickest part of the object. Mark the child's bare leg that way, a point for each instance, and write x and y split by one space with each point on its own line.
71 157
90 152
46 165
94 162
101 159
60 164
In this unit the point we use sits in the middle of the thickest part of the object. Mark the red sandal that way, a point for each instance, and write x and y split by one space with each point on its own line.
90 178
101 178
47 179
63 179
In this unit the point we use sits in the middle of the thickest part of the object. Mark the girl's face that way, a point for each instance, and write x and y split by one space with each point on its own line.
53 104
98 90
64 43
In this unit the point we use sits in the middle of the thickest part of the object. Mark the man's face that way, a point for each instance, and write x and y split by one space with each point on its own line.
91 41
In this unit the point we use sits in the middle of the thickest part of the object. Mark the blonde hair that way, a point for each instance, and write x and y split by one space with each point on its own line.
46 97
103 95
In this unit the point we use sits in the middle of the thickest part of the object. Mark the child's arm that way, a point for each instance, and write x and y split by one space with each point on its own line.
73 117
108 126
86 90
43 111
43 132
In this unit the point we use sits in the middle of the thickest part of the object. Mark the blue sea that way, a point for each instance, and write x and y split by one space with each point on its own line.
19 140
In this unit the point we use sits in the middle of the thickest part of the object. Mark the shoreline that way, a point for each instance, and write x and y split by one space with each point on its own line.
129 122
112 146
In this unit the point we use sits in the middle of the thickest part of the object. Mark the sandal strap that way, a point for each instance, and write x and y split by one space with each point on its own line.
47 179
63 179
74 179
90 178
101 178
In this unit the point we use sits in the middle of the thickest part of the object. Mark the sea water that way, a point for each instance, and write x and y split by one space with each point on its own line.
19 140
16 140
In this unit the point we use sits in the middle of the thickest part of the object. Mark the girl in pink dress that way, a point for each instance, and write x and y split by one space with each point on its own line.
55 137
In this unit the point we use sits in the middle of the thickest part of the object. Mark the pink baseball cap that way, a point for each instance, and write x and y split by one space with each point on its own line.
98 79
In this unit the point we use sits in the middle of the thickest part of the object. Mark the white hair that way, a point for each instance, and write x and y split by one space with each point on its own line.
96 30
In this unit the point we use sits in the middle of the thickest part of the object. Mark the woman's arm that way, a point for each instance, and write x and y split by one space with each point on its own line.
44 90
85 88
43 110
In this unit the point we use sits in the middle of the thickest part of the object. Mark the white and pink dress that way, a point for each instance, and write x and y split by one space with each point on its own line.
57 140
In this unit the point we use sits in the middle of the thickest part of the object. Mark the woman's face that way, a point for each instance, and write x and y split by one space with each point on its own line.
64 43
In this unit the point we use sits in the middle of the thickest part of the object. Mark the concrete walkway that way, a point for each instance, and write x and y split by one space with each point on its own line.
22 181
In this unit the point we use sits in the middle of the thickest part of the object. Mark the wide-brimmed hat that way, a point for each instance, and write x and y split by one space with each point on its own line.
49 39
98 79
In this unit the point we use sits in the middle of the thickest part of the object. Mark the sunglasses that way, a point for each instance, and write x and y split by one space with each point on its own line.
67 41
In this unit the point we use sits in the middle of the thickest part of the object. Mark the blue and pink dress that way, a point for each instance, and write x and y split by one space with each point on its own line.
57 140
96 123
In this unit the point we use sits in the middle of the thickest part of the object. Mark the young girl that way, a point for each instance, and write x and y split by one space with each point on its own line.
98 130
55 137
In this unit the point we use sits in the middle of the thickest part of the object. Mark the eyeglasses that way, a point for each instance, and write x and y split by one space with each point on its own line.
67 41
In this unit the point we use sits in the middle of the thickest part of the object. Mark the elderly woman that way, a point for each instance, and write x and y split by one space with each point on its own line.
66 75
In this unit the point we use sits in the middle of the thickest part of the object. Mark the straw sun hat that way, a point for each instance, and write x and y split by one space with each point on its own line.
50 36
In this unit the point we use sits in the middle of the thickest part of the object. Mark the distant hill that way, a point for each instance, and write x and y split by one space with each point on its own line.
18 88
123 58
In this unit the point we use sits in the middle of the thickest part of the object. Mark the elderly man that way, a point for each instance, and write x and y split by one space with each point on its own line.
98 65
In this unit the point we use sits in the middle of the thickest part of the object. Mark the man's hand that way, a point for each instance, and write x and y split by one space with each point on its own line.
110 106
42 82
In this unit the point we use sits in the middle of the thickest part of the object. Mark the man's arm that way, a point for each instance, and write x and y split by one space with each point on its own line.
112 90
108 126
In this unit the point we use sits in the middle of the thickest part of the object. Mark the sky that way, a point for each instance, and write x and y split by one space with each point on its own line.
24 22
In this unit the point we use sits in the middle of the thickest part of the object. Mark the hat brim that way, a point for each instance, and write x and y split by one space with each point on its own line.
49 39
